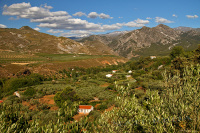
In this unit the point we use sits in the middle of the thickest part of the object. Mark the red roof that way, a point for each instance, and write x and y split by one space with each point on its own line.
1 101
85 106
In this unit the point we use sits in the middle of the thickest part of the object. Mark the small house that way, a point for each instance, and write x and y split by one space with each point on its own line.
1 101
85 109
114 71
129 71
17 94
152 57
109 75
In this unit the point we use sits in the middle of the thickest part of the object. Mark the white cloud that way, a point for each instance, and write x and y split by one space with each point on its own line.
190 16
162 20
148 18
60 20
93 15
111 27
140 21
55 31
2 26
104 16
24 10
37 29
48 7
174 15
79 14
133 24
68 24
76 33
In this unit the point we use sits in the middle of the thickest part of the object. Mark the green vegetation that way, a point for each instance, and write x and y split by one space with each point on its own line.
14 57
12 85
67 95
177 51
160 95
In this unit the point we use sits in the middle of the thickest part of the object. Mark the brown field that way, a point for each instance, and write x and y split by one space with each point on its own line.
48 99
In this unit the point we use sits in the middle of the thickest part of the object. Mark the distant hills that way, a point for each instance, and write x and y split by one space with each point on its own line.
146 41
185 29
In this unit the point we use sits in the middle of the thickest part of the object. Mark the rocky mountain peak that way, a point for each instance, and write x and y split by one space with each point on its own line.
162 26
144 28
26 28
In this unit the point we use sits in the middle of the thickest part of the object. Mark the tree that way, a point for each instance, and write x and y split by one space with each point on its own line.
67 94
177 51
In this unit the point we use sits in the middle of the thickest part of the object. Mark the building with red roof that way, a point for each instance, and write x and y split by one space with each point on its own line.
85 109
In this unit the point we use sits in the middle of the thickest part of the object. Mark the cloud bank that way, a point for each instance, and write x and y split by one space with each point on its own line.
59 21
3 26
190 16
162 20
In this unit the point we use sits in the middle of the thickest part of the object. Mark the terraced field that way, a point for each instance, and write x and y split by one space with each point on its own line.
49 64
13 57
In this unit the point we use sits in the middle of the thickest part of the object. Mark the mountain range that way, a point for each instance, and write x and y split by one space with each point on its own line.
28 40
149 41
146 41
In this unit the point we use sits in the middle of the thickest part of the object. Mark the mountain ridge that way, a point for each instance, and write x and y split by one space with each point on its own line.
134 43
28 40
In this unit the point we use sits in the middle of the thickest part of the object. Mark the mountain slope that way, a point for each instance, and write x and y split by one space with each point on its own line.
149 41
27 40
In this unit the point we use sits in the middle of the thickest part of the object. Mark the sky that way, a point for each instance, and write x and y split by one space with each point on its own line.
79 18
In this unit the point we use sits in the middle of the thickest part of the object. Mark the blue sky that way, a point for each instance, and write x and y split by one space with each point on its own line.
84 17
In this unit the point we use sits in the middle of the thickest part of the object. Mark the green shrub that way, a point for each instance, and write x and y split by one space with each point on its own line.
101 107
34 102
95 114
177 51
157 75
110 87
13 84
67 94
30 91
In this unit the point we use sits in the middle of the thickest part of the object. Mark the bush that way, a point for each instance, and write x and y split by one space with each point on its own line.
30 92
95 114
177 51
101 107
34 102
13 84
110 87
67 94
157 75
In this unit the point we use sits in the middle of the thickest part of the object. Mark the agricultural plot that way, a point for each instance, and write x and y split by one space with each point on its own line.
13 57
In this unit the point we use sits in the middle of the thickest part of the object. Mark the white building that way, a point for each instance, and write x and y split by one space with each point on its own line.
129 71
114 71
85 109
17 94
152 57
109 75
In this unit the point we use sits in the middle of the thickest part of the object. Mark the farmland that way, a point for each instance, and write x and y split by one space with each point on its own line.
14 57
154 97
48 64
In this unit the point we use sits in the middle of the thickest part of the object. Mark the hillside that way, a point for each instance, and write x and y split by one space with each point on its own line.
27 40
149 41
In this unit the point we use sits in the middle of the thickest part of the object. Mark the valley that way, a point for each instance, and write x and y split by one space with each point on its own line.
45 80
